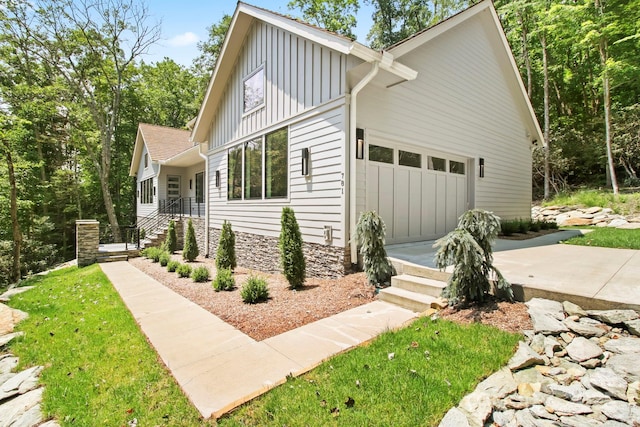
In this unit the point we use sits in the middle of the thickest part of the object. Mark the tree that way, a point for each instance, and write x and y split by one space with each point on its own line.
190 250
171 241
338 16
290 245
210 50
92 45
226 254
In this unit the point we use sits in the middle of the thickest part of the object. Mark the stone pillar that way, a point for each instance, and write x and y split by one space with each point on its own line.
87 241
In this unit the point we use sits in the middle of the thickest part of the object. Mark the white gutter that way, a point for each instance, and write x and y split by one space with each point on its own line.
352 157
206 197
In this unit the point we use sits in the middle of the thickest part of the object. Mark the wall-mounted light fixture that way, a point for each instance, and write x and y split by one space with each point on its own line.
305 161
217 179
154 190
359 144
190 184
481 167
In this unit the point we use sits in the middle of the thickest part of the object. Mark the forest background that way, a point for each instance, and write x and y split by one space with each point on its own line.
73 88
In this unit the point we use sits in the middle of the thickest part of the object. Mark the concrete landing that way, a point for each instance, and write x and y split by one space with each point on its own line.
217 366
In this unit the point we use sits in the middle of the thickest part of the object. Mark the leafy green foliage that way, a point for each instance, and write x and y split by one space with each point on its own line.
115 376
290 245
338 16
164 258
254 290
172 266
171 241
509 226
436 364
370 233
524 225
184 270
468 248
190 251
226 253
200 274
153 253
224 280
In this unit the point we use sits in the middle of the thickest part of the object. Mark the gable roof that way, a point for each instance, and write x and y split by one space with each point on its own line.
241 21
162 142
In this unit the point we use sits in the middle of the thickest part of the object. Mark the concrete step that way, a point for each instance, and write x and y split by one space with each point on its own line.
420 285
410 300
405 267
112 258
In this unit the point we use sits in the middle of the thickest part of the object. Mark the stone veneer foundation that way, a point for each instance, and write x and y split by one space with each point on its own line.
87 241
261 253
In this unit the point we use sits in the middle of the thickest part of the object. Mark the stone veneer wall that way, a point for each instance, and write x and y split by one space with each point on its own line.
87 241
261 253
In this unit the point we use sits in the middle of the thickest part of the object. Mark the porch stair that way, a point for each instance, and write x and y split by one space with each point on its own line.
113 256
415 287
156 238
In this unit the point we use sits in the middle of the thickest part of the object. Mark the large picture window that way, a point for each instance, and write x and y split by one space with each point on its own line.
258 168
253 90
146 191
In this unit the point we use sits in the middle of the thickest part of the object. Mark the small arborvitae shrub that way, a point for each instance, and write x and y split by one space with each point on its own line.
190 250
171 241
468 248
226 254
224 280
290 245
254 290
200 274
509 227
370 233
524 225
172 266
164 258
184 270
535 226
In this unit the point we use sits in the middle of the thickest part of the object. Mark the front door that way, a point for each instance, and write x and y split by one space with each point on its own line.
173 187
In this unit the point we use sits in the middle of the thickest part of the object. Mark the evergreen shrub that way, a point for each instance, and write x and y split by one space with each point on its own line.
224 280
290 245
524 225
172 266
509 227
254 290
370 233
184 270
190 250
226 254
468 248
200 274
164 258
171 241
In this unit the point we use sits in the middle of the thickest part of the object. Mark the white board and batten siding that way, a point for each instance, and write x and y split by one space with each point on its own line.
462 103
304 90
151 171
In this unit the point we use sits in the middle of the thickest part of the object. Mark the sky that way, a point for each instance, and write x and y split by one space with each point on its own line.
184 23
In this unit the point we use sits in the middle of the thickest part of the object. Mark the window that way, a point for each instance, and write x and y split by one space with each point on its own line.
146 160
406 158
254 90
200 187
380 154
437 164
456 167
146 191
265 168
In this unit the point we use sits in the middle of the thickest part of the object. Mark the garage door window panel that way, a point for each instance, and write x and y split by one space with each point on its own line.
437 164
407 158
380 154
456 167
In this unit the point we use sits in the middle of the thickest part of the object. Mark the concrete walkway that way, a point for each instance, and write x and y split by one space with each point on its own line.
219 367
592 277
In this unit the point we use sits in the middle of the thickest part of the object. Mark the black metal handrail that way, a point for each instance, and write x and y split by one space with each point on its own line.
129 235
170 209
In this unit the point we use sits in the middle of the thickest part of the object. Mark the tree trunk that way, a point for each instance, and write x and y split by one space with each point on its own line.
15 225
545 68
607 115
525 55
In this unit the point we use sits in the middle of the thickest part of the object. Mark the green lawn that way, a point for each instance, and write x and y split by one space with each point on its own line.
435 364
608 238
100 370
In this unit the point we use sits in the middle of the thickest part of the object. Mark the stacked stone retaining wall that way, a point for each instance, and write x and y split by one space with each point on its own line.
574 215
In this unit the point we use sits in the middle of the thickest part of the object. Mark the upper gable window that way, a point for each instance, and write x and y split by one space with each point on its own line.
253 90
146 160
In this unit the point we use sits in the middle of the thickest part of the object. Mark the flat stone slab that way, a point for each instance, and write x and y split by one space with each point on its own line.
623 345
6 339
14 409
14 291
581 349
613 317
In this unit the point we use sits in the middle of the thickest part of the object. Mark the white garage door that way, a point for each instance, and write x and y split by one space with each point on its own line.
418 195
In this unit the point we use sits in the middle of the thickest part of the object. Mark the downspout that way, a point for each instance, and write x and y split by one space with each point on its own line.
206 199
352 157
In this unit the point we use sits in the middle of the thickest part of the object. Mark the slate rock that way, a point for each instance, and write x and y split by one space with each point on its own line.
8 363
579 421
550 346
499 384
539 411
607 381
503 418
573 392
5 339
613 317
633 326
31 417
625 365
477 407
524 358
562 407
633 393
582 349
608 423
621 411
454 418
623 345
554 308
525 418
14 291
573 309
584 329
591 397
14 409
20 383
537 343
